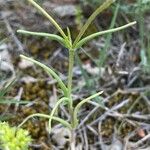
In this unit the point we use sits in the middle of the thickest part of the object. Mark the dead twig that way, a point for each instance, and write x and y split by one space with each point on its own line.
109 111
18 98
85 139
120 56
100 136
138 143
131 116
16 40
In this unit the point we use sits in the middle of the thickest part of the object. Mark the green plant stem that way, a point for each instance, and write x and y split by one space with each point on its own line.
70 76
65 123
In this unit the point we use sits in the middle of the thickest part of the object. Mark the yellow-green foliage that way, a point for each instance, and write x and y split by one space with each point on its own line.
12 138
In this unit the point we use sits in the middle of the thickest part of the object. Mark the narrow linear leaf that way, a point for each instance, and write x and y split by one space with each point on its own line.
63 122
54 110
4 117
49 17
50 36
50 72
69 38
101 8
87 99
3 101
103 54
69 35
92 36
77 108
2 41
5 89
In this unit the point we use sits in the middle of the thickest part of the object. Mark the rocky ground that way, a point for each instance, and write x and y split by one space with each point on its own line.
119 119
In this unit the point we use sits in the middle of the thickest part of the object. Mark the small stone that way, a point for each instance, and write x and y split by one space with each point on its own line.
24 64
28 79
65 11
61 135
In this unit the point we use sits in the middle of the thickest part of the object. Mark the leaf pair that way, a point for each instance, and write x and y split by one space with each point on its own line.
64 89
76 109
64 39
63 122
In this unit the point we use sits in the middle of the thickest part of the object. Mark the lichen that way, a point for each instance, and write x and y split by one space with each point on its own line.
12 138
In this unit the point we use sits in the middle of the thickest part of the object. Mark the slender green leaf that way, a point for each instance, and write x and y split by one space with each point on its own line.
2 41
50 72
54 110
49 17
69 34
77 108
103 54
101 8
5 89
92 36
4 101
63 122
50 36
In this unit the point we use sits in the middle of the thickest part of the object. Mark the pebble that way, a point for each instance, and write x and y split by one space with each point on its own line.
65 10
